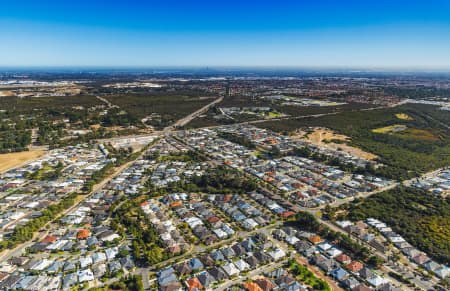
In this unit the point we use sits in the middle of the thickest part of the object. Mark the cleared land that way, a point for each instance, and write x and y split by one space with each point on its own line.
12 160
390 128
325 137
403 116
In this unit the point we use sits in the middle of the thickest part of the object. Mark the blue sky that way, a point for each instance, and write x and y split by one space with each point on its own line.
319 33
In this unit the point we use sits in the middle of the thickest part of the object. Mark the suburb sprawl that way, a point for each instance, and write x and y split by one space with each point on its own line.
172 182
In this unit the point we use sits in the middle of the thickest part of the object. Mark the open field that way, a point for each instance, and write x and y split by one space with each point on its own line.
403 116
327 138
390 128
12 160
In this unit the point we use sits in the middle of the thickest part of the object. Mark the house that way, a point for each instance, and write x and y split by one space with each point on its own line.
217 256
333 252
249 244
376 281
85 261
238 250
327 265
365 273
252 286
443 272
98 258
85 276
265 284
127 262
166 277
252 261
312 250
361 287
343 259
315 239
431 266
279 234
302 245
228 252
218 273
242 265
420 259
339 274
83 234
194 284
70 280
196 264
172 286
99 270
277 254
183 269
284 281
388 287
262 257
207 260
49 239
206 279
350 283
354 266
230 269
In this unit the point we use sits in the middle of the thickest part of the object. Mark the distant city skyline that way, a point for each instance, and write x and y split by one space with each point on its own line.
305 34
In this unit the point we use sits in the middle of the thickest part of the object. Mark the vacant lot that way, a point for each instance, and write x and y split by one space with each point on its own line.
12 160
325 137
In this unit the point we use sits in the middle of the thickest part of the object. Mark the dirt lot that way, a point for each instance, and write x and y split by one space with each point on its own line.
8 161
323 137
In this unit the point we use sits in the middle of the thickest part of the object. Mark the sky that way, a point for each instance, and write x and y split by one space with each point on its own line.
257 33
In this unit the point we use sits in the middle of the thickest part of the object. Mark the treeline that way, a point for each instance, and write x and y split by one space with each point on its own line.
417 93
420 217
23 233
14 140
307 221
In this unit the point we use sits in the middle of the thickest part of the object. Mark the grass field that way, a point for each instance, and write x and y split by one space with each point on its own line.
403 116
12 160
390 128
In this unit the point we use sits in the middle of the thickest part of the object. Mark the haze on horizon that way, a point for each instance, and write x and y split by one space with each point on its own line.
348 34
